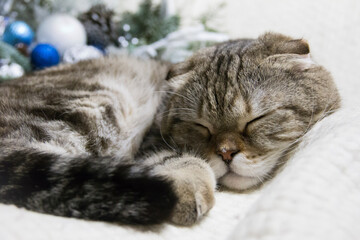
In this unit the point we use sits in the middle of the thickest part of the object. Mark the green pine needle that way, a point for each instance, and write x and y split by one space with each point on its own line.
9 52
148 23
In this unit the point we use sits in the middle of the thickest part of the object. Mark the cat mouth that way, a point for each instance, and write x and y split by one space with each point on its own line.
227 171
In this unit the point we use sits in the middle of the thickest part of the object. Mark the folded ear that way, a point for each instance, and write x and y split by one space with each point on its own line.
297 46
188 65
294 62
179 69
304 62
178 74
281 44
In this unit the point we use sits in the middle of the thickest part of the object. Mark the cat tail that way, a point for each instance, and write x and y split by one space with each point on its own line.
95 188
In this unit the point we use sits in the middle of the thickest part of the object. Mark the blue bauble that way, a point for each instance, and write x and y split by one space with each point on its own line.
44 55
18 32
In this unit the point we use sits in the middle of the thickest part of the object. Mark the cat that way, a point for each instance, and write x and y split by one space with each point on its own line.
142 142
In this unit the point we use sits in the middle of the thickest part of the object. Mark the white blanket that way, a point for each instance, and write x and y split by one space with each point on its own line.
316 196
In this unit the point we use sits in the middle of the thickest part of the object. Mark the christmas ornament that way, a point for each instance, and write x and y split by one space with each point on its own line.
9 70
76 54
18 32
99 27
62 31
44 55
11 54
30 11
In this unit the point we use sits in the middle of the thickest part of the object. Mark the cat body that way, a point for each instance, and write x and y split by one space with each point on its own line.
68 139
142 142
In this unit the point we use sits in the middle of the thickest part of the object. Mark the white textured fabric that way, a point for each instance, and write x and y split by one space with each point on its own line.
16 224
316 196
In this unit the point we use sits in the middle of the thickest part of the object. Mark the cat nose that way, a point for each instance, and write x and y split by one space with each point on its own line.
227 154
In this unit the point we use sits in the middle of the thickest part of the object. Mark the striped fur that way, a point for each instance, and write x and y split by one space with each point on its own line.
69 136
112 140
255 98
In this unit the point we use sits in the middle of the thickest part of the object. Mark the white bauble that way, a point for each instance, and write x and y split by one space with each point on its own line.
62 31
10 70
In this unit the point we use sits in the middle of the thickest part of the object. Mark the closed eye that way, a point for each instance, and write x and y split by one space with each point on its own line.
203 128
254 120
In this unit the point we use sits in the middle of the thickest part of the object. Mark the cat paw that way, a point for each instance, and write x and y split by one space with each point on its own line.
192 205
194 185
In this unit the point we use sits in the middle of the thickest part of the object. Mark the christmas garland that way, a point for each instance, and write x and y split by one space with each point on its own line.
150 32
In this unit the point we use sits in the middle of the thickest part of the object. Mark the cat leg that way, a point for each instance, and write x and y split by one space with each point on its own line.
193 183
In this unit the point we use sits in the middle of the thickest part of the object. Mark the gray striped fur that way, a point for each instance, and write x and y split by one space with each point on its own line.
113 140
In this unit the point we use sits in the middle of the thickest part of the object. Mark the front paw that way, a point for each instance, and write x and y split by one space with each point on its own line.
194 185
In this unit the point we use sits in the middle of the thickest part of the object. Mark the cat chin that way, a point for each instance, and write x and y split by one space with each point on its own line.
232 177
238 182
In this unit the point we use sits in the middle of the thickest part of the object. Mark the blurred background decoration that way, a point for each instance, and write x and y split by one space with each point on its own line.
36 34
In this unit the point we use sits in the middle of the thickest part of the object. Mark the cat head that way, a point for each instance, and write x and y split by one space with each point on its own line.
243 105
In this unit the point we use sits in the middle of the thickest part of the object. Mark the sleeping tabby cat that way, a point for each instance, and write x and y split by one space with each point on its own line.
142 142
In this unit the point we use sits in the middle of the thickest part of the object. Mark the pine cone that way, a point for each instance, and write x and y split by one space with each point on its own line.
99 27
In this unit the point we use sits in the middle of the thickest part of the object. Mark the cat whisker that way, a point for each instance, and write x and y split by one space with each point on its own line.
180 95
173 112
252 174
162 137
174 143
185 111
196 152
